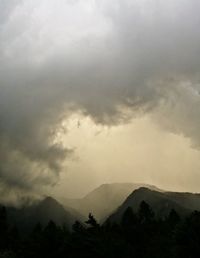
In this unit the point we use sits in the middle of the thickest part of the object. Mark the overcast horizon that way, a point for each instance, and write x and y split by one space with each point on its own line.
98 91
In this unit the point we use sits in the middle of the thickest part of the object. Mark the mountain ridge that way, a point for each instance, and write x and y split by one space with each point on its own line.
161 202
103 200
45 210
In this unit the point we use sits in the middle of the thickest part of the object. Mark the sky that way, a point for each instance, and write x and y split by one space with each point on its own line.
98 91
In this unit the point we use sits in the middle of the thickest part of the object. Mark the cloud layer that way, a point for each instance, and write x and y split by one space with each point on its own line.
110 60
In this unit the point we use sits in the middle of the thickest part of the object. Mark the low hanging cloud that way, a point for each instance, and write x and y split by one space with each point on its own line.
101 58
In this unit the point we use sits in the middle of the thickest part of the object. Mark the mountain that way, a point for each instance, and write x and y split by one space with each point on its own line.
41 212
102 201
160 202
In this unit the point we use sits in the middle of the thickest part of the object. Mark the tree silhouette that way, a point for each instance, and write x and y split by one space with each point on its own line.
92 221
140 235
3 228
128 218
145 213
173 218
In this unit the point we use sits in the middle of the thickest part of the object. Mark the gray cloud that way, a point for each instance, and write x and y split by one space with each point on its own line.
97 57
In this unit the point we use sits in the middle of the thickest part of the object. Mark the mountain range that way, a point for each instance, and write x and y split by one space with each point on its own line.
42 212
102 201
109 201
161 202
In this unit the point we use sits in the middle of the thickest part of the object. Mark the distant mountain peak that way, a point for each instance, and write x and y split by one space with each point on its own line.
161 202
103 200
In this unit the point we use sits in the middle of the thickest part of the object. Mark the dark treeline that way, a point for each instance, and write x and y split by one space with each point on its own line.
138 235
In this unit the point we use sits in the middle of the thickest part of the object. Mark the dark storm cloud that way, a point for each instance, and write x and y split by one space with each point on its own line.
97 57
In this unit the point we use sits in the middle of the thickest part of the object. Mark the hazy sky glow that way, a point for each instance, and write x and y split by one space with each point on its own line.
135 152
98 91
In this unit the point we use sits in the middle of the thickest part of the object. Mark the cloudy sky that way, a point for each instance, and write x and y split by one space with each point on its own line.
98 91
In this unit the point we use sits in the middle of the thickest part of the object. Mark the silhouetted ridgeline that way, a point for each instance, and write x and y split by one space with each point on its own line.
41 212
106 198
149 224
161 202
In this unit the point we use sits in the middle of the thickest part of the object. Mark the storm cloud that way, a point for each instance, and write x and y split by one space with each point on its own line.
110 60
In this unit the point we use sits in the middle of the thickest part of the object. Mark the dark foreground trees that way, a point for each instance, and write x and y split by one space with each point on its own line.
138 235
